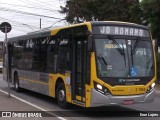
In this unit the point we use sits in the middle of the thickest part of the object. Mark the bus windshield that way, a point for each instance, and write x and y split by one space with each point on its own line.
122 57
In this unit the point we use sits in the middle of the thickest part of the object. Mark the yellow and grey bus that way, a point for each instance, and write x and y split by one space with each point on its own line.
89 64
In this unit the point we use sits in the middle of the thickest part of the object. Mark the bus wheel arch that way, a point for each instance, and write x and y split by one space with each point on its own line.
16 82
61 93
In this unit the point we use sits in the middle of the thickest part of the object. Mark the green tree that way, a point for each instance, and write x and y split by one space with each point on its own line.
92 10
151 10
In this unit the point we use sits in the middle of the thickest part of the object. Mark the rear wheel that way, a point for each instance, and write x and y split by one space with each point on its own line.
61 96
16 83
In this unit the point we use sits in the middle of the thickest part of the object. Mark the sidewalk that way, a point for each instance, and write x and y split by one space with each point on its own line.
21 107
12 104
16 109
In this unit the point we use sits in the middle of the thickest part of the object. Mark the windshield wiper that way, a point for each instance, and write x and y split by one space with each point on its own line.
119 49
102 58
134 48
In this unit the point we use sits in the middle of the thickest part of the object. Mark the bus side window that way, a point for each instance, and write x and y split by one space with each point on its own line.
17 53
51 55
35 63
64 57
39 54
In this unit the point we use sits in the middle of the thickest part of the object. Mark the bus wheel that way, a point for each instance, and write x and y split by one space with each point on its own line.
61 96
16 83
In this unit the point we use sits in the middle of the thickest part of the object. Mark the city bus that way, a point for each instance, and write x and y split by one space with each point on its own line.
90 64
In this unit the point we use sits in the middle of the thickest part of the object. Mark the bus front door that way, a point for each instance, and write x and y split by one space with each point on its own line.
79 69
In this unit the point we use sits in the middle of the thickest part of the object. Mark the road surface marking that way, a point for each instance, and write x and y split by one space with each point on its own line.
61 118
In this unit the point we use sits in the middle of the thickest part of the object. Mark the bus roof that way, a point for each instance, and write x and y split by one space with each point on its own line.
53 31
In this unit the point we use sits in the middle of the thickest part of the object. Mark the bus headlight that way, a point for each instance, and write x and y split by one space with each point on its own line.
99 86
151 87
101 89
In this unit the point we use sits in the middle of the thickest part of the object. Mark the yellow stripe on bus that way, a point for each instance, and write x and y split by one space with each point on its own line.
35 81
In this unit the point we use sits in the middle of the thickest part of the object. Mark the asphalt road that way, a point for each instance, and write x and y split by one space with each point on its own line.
78 113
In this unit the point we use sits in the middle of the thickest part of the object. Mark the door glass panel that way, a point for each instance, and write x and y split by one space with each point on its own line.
80 66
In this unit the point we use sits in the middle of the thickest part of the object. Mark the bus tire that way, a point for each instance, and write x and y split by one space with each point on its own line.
16 83
61 96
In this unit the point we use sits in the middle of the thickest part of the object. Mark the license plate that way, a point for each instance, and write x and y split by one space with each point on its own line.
128 102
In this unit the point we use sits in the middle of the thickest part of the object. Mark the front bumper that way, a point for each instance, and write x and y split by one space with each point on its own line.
98 99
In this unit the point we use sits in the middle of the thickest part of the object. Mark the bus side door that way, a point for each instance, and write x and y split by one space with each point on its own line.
79 70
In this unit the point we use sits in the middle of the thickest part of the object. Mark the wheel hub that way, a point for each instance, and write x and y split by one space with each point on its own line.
16 85
61 95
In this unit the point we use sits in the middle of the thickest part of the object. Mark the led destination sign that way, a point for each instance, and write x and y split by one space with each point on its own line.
118 30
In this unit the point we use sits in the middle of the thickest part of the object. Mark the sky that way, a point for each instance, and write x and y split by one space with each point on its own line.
24 15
